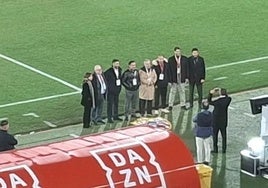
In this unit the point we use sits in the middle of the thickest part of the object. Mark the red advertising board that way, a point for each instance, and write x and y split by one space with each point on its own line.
138 156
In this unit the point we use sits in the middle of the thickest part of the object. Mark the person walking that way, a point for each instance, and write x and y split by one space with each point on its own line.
196 76
203 134
114 76
88 99
7 141
178 69
220 116
131 82
148 79
100 89
162 72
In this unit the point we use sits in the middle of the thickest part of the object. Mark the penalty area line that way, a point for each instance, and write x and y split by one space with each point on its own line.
39 99
39 72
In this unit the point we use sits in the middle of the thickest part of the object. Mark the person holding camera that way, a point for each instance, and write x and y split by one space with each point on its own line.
220 116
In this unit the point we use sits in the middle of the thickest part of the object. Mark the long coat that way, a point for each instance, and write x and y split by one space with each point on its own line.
146 90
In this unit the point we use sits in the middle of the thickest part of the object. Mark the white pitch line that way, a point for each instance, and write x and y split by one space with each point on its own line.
220 78
250 72
236 63
250 115
39 99
39 72
231 108
74 135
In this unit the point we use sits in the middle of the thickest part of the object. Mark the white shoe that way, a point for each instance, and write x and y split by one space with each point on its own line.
156 112
165 111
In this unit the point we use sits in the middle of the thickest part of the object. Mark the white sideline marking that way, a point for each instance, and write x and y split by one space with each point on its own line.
236 63
31 114
250 115
50 124
74 135
39 99
250 72
220 78
39 72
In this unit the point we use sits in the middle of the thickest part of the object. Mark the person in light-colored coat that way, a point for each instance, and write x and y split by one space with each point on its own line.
148 79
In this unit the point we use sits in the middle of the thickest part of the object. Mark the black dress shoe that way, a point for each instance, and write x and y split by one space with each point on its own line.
170 108
126 118
214 151
118 119
223 151
206 163
95 122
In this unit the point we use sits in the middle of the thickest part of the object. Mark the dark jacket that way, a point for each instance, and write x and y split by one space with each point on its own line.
97 88
111 80
173 69
204 122
220 112
165 72
127 80
86 95
196 69
7 141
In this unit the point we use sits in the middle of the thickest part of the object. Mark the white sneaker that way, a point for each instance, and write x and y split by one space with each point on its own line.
165 110
156 112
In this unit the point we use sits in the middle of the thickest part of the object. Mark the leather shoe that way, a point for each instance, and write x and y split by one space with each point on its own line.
184 108
214 151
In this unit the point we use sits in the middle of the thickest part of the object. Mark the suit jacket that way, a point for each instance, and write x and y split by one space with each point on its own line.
97 88
86 96
196 69
7 141
158 71
220 112
173 69
111 80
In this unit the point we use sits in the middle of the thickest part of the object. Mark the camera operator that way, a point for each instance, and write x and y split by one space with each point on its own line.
220 116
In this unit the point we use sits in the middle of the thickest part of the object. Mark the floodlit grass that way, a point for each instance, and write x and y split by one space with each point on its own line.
67 38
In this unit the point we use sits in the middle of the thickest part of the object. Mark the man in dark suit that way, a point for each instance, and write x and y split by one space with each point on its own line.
7 141
113 75
196 75
100 90
220 116
178 68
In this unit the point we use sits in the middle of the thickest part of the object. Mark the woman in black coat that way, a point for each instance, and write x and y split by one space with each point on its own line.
88 99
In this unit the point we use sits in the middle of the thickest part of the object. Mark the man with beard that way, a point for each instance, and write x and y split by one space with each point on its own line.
113 77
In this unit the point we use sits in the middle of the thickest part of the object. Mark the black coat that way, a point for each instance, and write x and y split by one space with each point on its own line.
86 96
164 82
7 141
111 80
196 71
173 69
97 88
220 112
127 80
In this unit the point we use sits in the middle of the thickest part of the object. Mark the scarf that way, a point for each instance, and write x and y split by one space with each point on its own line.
91 89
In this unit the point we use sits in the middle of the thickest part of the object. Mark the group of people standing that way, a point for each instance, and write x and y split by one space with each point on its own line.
146 84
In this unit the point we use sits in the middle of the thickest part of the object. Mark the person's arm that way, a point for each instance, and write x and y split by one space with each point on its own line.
12 140
203 71
195 119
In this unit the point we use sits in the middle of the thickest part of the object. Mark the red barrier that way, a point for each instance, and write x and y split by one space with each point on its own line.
132 157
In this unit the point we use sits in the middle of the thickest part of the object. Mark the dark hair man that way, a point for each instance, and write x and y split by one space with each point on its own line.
178 68
113 77
7 141
196 75
131 82
220 116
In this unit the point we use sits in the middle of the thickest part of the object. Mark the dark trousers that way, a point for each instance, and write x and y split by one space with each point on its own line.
130 102
160 92
86 116
97 111
112 106
199 91
143 104
215 137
